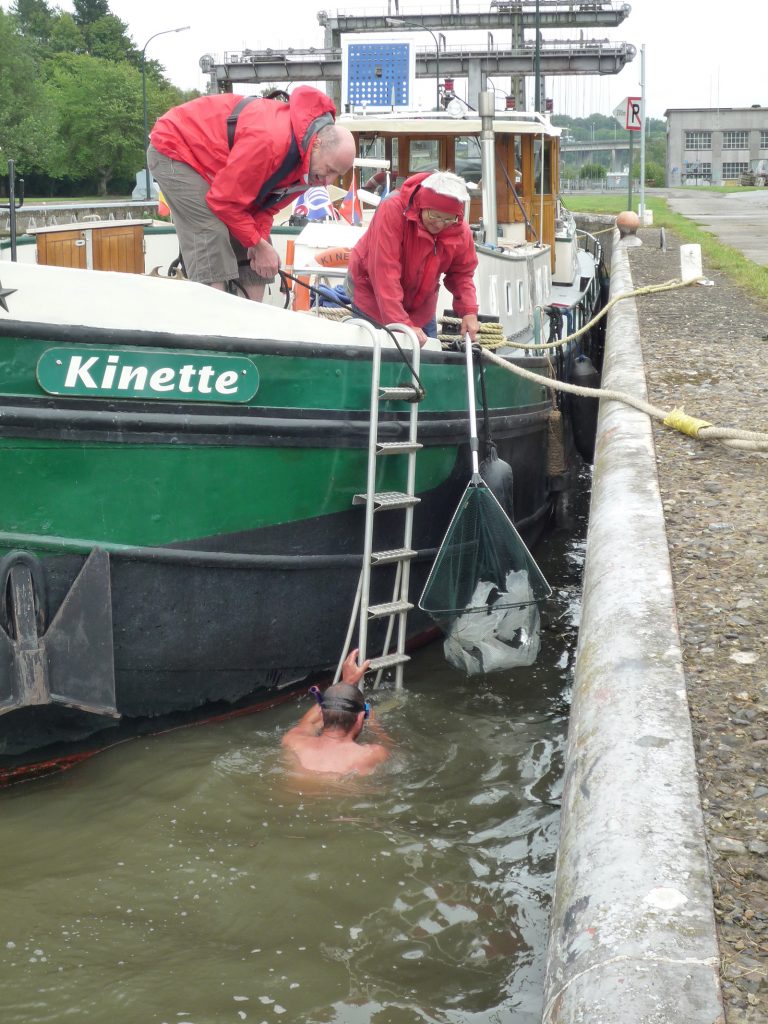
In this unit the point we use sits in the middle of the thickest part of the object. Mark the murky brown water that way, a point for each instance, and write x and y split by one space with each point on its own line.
190 878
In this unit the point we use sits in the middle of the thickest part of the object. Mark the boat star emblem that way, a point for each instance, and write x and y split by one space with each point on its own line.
4 293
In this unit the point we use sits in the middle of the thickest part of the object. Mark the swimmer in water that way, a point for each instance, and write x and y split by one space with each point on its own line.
325 740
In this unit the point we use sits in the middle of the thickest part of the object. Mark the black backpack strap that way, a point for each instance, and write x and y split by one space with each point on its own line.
291 160
232 119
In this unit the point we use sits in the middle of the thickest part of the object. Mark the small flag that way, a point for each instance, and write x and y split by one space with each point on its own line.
350 208
315 204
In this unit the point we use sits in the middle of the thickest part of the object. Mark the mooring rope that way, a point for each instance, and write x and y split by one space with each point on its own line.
496 342
745 440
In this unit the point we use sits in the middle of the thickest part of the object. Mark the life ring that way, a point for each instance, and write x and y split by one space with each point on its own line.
333 257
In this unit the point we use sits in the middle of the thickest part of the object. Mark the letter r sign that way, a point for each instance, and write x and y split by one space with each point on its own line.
634 117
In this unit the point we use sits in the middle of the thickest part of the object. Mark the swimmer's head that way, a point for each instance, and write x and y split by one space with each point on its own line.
341 704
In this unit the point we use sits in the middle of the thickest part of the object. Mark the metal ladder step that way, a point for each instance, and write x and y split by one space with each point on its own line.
397 447
393 555
380 611
388 500
388 661
407 394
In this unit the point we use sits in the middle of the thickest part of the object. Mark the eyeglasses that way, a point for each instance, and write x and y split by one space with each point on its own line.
441 218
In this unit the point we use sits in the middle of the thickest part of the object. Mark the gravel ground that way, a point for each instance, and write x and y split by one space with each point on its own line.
705 350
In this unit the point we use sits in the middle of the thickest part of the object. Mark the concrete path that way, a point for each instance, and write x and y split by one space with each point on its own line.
738 219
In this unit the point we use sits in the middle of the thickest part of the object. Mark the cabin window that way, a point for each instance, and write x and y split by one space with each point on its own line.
508 292
467 160
425 155
520 297
537 167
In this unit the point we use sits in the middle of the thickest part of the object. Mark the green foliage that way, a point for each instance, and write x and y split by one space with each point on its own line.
744 271
89 11
71 112
655 175
66 36
592 171
98 109
107 38
25 129
34 18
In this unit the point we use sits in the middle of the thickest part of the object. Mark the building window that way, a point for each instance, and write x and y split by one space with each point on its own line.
763 139
697 173
735 140
698 140
735 170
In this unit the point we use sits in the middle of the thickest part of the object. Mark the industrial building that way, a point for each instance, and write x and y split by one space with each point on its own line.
714 146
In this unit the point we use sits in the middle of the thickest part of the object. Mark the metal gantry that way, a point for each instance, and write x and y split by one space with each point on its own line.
552 58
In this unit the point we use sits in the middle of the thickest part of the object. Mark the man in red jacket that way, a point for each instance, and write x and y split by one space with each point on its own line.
227 164
417 235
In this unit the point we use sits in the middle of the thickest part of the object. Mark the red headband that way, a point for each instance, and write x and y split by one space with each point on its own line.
429 200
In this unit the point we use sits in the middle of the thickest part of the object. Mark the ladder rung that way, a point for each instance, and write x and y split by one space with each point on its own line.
393 555
388 499
397 447
388 661
381 611
407 394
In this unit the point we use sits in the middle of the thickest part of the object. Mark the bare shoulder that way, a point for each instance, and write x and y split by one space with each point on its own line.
371 755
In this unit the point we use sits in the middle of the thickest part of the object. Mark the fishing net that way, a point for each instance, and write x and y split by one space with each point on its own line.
484 588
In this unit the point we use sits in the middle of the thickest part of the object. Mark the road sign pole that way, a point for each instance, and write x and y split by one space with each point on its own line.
629 176
642 134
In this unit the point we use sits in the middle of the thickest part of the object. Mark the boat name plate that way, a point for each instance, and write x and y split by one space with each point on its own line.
147 373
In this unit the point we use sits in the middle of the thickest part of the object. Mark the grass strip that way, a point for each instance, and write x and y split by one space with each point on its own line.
745 272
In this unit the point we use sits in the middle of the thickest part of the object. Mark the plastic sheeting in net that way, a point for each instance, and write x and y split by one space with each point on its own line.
484 588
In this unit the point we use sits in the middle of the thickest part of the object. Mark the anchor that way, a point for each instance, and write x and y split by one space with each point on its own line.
72 661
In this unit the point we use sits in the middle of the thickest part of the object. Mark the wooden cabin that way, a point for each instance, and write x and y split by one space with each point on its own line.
433 141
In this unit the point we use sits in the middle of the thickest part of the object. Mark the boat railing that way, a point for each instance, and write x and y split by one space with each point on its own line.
590 244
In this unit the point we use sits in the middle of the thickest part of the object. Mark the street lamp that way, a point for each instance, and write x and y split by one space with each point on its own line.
144 99
399 23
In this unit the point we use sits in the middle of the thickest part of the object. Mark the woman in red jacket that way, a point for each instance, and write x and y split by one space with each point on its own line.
417 235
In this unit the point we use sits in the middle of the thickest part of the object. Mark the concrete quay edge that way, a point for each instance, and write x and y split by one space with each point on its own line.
632 929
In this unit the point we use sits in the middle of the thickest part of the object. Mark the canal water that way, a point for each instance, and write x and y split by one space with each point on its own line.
191 878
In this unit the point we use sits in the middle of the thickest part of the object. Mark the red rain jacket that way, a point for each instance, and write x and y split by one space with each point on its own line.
396 265
196 134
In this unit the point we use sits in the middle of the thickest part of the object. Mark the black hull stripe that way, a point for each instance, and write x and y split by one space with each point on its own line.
291 431
215 559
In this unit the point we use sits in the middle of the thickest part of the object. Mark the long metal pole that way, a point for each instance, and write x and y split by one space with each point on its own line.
629 176
437 67
12 206
537 63
147 194
642 134
165 32
486 105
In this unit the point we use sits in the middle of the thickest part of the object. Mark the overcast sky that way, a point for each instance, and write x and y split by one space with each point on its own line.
693 57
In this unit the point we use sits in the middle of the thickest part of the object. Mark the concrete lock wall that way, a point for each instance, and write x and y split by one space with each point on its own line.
632 934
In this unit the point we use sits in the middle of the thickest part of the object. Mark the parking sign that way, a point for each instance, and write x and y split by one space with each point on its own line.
633 118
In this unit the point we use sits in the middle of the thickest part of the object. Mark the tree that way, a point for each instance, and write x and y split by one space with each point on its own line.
66 37
99 114
34 18
592 171
108 38
25 126
89 11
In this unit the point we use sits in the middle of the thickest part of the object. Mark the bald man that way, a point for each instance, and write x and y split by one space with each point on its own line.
226 164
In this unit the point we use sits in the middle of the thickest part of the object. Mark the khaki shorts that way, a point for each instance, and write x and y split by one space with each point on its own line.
210 253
